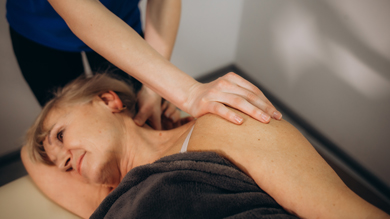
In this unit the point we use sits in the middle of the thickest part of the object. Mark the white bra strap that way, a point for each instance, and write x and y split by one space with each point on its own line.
185 144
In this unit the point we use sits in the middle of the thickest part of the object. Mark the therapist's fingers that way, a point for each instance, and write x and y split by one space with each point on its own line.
149 114
168 124
141 117
171 111
149 108
238 80
171 116
186 120
222 111
234 91
250 102
238 102
155 120
252 94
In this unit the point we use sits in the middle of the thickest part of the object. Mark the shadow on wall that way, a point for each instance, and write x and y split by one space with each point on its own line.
329 62
339 46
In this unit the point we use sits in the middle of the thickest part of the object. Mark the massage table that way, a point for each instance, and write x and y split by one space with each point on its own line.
21 199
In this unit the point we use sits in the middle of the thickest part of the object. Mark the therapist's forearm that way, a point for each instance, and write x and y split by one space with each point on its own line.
109 36
112 38
161 25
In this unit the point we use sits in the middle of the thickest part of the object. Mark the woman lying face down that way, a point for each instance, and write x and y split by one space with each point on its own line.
85 143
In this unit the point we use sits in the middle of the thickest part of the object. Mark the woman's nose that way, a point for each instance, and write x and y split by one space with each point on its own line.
65 160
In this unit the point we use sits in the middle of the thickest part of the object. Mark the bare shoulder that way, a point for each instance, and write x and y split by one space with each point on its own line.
283 163
252 146
272 154
213 132
250 125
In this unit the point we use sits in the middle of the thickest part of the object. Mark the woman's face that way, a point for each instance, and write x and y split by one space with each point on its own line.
85 141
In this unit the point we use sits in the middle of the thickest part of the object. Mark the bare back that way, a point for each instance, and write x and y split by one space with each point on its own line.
284 164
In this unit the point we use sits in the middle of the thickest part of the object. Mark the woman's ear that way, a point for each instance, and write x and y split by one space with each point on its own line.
112 101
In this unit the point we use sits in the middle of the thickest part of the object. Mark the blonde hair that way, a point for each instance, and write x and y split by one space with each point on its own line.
80 91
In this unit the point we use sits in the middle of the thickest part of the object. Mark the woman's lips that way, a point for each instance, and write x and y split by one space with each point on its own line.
79 163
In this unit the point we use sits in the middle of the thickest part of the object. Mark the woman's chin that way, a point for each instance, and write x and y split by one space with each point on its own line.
102 179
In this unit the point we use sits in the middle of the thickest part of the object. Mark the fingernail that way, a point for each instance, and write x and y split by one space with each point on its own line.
265 117
238 119
277 115
136 121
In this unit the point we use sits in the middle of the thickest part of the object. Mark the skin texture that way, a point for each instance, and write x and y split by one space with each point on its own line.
285 165
275 155
109 36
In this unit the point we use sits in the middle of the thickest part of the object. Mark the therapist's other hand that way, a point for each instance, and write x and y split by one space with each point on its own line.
171 118
149 108
234 91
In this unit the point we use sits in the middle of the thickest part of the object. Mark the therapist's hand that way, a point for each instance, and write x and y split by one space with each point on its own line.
149 108
234 91
171 116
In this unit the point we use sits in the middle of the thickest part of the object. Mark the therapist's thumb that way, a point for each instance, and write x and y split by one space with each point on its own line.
140 118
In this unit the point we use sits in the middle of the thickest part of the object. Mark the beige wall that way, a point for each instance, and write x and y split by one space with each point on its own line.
329 61
208 35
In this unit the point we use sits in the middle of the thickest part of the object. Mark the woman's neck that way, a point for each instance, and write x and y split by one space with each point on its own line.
145 145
